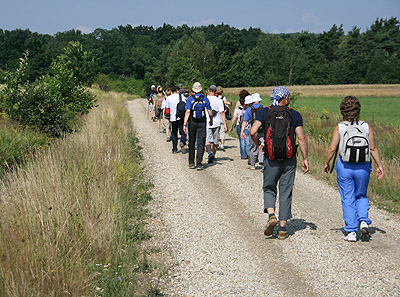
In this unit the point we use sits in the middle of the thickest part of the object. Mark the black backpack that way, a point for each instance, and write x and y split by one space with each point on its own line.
280 140
180 107
254 112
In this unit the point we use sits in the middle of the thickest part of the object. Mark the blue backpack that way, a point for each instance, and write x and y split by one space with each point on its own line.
199 108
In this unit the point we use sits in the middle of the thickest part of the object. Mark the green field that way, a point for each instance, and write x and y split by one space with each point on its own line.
374 110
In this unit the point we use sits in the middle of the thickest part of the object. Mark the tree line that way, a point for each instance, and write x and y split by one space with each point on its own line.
220 54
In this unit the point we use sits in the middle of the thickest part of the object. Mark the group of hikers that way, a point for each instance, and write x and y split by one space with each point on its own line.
270 136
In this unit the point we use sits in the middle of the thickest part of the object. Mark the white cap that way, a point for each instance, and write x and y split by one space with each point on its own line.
197 87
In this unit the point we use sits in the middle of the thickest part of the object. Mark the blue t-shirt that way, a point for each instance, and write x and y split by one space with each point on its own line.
191 99
297 119
247 113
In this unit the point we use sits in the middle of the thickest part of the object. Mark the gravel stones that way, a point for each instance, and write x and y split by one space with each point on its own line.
209 226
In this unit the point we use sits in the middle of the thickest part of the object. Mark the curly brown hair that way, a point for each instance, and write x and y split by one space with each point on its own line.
350 109
243 93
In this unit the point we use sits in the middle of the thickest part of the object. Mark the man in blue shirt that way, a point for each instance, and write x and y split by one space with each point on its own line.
284 170
249 116
196 107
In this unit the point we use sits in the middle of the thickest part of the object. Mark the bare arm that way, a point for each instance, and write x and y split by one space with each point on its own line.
375 154
303 147
185 120
211 116
332 149
242 135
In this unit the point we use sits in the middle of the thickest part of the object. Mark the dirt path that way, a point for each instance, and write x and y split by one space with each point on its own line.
210 224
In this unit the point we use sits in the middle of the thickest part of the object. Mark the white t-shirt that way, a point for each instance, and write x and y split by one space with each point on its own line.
218 105
171 103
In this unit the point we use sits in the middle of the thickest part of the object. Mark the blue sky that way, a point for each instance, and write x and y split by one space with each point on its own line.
275 16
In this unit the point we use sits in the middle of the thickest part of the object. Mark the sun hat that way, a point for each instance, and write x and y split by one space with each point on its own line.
248 99
278 94
213 88
159 88
256 97
197 87
153 86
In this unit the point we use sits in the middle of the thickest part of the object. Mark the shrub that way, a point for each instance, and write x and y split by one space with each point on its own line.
51 103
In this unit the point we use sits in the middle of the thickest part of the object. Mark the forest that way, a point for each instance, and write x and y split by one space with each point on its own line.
219 54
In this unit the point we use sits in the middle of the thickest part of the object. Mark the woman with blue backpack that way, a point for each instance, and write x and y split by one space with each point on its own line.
354 141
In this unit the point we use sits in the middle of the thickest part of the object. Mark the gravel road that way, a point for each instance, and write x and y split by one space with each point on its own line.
209 226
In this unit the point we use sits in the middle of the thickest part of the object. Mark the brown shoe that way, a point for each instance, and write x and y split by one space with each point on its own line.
269 229
282 235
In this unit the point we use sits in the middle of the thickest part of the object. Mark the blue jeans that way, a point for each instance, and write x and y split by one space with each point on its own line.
242 144
247 141
353 179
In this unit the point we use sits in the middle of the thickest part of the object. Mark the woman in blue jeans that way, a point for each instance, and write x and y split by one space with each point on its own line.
353 178
236 121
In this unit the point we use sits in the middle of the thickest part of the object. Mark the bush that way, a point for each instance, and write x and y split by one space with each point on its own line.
51 103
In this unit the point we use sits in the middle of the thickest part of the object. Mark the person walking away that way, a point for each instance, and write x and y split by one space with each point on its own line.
245 127
354 140
236 122
218 111
166 115
280 122
196 107
157 106
176 119
222 131
249 117
150 100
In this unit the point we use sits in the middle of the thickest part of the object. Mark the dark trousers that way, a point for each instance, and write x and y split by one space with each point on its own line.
197 130
177 125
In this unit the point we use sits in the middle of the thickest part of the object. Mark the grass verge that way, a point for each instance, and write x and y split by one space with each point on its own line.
71 220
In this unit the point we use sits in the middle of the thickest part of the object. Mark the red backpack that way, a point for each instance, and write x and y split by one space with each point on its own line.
280 139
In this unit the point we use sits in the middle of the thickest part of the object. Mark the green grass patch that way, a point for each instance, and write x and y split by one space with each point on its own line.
17 142
374 110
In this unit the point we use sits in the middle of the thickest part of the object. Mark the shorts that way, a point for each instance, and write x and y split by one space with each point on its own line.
158 113
212 135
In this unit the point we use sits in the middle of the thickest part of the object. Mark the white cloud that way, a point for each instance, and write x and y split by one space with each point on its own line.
182 23
309 18
275 31
205 22
84 29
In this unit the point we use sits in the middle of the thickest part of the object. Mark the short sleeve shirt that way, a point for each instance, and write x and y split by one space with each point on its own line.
190 101
247 114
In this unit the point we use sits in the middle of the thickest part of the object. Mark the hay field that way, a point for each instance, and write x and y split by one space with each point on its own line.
358 90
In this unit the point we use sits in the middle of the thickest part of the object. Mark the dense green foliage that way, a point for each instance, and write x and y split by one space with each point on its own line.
222 54
51 102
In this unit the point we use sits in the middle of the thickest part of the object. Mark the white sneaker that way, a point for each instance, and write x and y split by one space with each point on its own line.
253 167
352 236
365 236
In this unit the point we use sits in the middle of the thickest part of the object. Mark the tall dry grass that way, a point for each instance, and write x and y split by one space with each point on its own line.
66 214
358 90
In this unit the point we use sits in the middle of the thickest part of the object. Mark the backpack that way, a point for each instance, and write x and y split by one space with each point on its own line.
167 113
228 114
198 108
180 107
254 112
159 101
354 145
280 141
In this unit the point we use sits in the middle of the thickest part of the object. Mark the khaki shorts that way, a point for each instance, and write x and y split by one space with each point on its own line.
222 132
